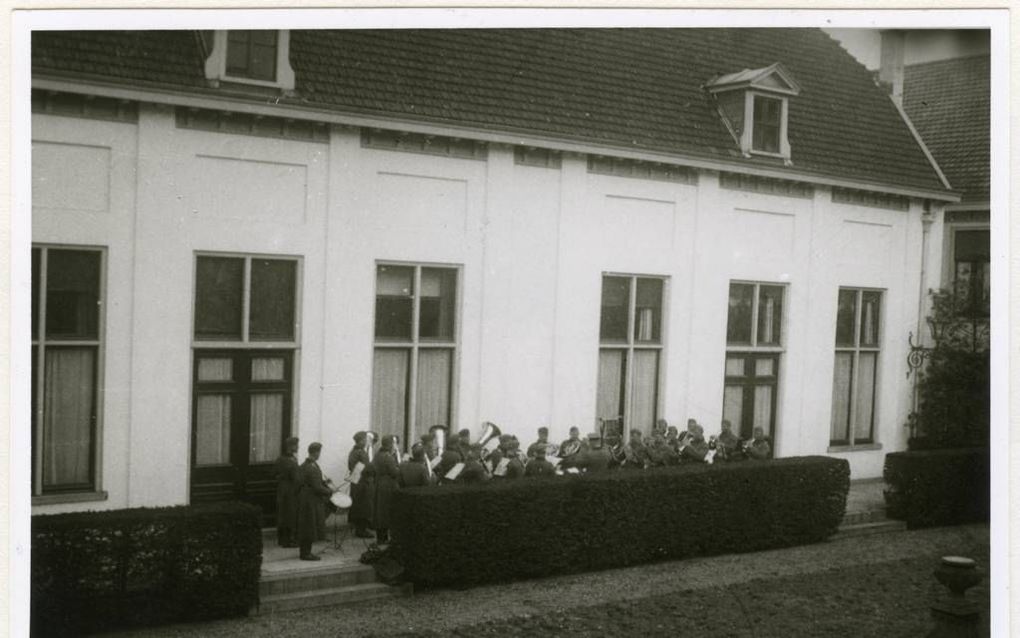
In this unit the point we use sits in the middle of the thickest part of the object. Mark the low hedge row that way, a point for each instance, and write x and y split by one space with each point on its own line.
467 535
95 571
937 487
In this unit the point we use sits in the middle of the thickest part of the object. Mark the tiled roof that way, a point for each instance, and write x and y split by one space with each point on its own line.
637 89
948 102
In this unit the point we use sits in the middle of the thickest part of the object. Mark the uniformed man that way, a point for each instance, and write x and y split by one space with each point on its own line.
637 457
474 471
595 457
387 475
542 442
759 449
539 466
570 448
515 468
311 502
288 484
415 472
729 444
696 448
362 492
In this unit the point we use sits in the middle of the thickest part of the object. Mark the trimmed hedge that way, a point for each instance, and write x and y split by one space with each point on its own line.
467 535
95 571
938 487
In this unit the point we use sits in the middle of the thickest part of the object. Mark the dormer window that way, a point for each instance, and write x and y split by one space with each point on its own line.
754 106
260 58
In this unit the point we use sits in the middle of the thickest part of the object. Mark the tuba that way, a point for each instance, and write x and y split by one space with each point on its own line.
489 438
570 449
396 448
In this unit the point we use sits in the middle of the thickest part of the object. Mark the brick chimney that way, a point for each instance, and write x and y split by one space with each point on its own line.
890 72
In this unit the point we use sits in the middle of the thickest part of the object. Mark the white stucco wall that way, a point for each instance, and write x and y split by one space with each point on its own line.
532 243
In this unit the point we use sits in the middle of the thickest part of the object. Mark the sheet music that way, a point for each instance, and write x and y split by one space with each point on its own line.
455 472
500 470
434 462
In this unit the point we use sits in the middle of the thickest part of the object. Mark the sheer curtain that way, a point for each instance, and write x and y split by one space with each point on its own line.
433 402
69 406
841 396
611 373
267 369
265 427
212 446
865 395
763 408
389 391
644 393
733 407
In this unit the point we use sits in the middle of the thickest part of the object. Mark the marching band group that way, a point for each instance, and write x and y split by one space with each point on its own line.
304 495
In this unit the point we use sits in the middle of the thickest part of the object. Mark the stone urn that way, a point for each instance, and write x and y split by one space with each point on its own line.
954 615
958 574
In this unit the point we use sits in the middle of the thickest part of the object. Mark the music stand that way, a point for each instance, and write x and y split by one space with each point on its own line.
340 533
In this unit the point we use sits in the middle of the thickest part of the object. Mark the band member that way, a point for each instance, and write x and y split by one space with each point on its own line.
617 450
659 452
673 439
428 444
539 466
414 473
387 473
729 444
542 442
287 486
496 457
362 492
311 502
474 471
759 448
595 457
636 453
695 448
570 448
515 468
452 455
464 441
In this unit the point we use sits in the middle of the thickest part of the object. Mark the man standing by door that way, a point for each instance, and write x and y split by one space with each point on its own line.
311 502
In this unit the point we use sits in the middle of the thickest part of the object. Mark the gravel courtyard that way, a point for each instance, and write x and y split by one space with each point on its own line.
877 585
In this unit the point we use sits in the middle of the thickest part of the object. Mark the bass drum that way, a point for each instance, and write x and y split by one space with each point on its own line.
341 501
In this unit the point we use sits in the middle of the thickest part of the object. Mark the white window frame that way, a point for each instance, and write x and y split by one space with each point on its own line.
631 345
416 344
851 444
747 138
216 63
39 369
755 348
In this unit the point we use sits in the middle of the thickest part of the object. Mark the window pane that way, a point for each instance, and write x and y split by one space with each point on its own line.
971 245
865 413
273 287
770 315
389 391
765 367
433 403
767 118
267 369
738 325
870 318
846 312
733 407
212 429
763 408
437 304
648 311
393 302
36 273
237 52
35 406
735 366
612 375
645 394
72 294
615 307
215 369
263 55
218 295
69 412
265 427
841 386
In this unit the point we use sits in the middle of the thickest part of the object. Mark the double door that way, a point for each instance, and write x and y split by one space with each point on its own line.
241 415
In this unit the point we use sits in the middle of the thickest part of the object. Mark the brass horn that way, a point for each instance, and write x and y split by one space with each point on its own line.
489 438
371 437
440 432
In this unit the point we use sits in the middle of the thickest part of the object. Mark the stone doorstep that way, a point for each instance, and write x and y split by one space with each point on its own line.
867 529
293 581
334 596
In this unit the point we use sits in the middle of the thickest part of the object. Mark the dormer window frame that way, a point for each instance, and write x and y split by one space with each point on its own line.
751 84
216 63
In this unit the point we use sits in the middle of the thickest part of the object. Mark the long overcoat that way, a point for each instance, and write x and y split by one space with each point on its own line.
386 475
363 493
287 485
311 502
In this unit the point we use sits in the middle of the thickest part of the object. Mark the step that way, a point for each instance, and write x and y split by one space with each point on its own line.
311 579
334 596
867 529
864 516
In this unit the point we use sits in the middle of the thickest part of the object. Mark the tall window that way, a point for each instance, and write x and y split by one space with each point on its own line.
858 317
754 345
67 318
630 337
971 249
252 54
767 124
245 336
415 349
